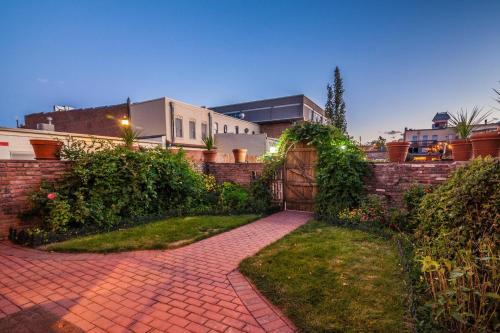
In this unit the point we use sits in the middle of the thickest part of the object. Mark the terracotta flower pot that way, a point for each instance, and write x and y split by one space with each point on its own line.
46 149
209 156
174 149
486 143
240 155
398 151
461 150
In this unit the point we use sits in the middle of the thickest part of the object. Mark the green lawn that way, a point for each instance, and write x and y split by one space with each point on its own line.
169 233
333 279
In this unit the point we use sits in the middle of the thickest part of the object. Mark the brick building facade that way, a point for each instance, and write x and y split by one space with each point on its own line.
104 120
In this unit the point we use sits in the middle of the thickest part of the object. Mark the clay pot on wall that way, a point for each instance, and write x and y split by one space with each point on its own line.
461 149
486 143
240 155
398 150
46 149
209 156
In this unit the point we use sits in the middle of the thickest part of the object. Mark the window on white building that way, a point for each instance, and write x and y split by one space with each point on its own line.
236 129
192 129
225 128
178 127
204 131
216 128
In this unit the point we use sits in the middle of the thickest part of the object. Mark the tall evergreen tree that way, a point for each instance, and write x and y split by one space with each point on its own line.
329 103
339 110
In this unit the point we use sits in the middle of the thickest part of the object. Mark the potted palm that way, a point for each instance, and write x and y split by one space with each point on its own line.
129 137
209 155
464 123
46 149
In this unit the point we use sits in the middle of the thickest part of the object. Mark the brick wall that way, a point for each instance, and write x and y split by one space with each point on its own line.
18 179
393 179
103 120
240 173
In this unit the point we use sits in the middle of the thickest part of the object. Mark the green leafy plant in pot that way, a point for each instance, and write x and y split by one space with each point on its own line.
129 137
464 124
210 154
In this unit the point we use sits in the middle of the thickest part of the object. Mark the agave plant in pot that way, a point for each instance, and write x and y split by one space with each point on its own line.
464 123
209 155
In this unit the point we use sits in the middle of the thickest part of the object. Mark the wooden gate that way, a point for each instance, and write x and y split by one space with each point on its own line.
300 186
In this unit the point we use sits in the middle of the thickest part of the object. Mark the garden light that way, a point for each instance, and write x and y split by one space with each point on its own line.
342 147
273 150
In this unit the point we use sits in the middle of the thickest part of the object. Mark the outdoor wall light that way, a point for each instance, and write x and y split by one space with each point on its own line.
342 147
273 150
125 121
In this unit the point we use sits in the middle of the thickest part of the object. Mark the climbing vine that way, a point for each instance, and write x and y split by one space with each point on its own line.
340 169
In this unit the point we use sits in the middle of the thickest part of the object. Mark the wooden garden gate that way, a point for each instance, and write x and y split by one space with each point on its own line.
299 181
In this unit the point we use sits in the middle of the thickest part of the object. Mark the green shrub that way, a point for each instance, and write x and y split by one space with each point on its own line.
371 212
234 197
457 245
462 211
111 184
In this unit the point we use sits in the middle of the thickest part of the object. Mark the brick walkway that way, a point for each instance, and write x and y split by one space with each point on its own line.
192 289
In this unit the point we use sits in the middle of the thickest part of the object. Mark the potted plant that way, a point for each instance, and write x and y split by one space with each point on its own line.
240 155
398 150
129 137
209 155
486 143
46 149
464 123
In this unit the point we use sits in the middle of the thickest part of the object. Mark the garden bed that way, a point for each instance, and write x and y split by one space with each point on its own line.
334 279
164 234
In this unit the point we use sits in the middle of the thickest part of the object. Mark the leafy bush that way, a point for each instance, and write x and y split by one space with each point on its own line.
371 212
111 184
458 247
233 197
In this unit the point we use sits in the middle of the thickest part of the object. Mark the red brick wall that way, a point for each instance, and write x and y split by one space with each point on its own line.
393 179
95 121
240 173
18 179
274 130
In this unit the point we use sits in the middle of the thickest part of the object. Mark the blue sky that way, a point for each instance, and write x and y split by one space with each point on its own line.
402 61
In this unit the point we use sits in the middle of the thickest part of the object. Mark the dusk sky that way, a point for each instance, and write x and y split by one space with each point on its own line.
402 61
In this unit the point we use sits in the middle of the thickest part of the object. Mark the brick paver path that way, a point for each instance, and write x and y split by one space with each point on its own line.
191 289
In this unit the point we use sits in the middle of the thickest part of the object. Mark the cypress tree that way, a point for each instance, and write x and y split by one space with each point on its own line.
339 109
329 103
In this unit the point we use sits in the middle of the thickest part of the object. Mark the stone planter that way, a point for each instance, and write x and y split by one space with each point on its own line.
398 150
461 150
46 149
209 156
486 143
240 155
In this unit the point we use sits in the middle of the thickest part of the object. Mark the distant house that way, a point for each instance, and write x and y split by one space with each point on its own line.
423 139
276 114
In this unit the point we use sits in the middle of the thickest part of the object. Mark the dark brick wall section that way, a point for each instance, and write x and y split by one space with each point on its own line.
18 179
103 120
393 179
240 173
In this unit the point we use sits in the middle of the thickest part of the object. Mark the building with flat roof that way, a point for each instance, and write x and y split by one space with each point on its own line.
276 114
440 132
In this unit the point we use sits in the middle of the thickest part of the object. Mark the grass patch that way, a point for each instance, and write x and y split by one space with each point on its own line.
170 233
333 279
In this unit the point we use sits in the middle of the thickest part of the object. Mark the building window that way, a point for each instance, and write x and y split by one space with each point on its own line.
414 138
236 129
178 127
425 138
192 129
204 131
216 128
225 128
253 132
246 130
434 138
